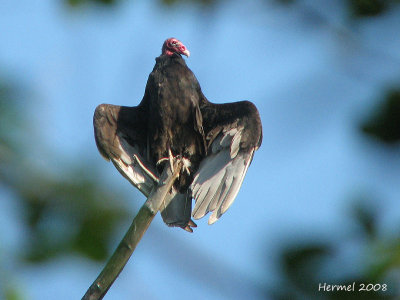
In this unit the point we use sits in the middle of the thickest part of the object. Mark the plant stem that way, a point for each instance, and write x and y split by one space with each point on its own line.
139 225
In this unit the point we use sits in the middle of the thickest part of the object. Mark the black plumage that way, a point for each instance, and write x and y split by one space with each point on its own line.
174 118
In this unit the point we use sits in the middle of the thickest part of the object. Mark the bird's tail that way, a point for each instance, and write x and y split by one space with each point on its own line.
176 210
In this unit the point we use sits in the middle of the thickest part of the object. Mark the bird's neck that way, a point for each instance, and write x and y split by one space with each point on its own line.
174 58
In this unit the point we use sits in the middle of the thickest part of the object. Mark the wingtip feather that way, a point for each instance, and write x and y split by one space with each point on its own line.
213 218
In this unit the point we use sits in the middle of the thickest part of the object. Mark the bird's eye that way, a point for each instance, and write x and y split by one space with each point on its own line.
174 43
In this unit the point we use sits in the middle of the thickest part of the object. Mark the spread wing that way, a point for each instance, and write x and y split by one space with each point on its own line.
121 136
233 132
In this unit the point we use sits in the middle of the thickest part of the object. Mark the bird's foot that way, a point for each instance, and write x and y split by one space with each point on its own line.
161 160
189 226
172 159
186 165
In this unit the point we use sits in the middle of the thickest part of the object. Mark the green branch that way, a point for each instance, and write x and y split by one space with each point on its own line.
139 225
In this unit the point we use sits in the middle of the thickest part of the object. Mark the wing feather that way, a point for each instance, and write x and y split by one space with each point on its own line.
234 133
119 138
215 191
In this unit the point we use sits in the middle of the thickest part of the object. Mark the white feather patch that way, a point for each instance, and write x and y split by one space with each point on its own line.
235 145
220 176
130 165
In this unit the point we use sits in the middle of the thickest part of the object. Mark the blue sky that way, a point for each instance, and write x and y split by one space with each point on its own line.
313 82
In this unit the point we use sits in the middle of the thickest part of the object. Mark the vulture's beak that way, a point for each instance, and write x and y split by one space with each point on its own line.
186 53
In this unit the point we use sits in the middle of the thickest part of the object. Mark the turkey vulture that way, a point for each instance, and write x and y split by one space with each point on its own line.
174 118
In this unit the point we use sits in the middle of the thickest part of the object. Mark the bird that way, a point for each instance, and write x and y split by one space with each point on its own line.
216 142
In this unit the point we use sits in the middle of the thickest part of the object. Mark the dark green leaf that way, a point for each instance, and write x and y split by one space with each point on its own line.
367 8
384 124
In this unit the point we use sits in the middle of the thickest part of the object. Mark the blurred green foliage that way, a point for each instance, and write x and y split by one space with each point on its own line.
81 3
384 122
76 3
367 8
203 2
64 213
359 8
303 264
13 294
356 8
73 214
